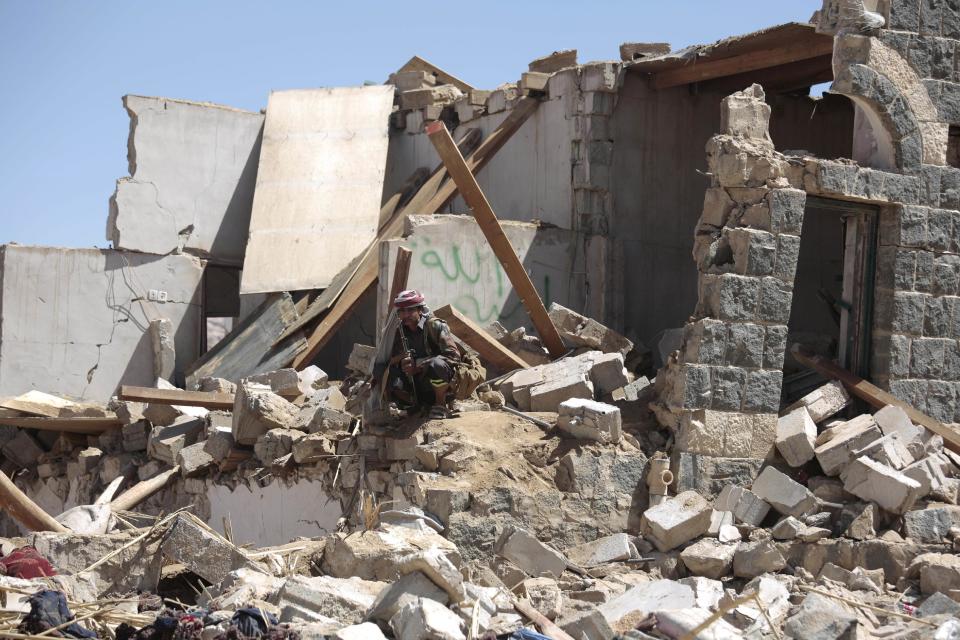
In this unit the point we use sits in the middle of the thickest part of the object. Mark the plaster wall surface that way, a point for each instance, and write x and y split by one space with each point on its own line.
75 322
274 514
193 167
453 263
530 177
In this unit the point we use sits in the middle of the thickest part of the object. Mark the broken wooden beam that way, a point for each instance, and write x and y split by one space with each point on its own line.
206 399
548 628
139 492
24 510
700 70
432 197
86 426
479 340
487 220
874 395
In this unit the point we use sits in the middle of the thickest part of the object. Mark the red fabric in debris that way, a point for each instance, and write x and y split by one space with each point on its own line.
26 562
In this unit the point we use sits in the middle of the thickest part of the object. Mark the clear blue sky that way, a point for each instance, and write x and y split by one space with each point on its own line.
65 65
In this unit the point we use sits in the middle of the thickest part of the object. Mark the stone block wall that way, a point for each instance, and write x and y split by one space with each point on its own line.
721 394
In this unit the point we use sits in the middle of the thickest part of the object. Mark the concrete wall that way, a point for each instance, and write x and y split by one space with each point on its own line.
658 185
193 167
75 322
528 178
452 263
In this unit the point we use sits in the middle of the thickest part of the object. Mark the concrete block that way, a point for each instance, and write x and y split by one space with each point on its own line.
362 631
283 382
22 450
580 331
402 592
823 402
890 450
709 558
746 506
939 572
785 495
361 359
217 385
929 473
135 436
796 434
312 448
676 520
680 623
534 81
819 618
529 554
727 434
893 419
207 555
746 114
612 548
219 443
555 61
608 373
837 446
549 395
256 410
304 598
589 420
194 460
409 80
874 481
931 525
426 619
429 96
545 596
656 595
708 475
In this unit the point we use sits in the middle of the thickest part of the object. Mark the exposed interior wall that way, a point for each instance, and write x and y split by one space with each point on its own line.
822 126
75 322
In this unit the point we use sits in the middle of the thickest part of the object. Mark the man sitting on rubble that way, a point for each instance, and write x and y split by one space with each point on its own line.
427 366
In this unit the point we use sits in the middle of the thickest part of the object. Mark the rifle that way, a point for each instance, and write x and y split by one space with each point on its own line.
405 345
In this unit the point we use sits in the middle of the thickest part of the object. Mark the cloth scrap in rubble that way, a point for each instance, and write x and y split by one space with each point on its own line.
26 562
48 610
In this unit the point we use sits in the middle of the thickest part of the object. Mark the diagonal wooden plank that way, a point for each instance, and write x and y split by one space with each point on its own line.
479 340
487 220
422 203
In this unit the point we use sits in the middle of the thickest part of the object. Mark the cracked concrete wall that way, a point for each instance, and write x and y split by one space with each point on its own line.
75 322
193 167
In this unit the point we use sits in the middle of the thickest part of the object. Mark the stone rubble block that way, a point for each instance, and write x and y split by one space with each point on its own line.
656 595
939 572
283 382
823 402
757 557
785 495
746 506
680 623
874 481
425 619
165 442
838 445
890 450
728 434
434 564
613 548
549 395
362 631
361 359
304 598
312 379
893 419
207 555
708 592
23 449
256 410
135 436
429 96
379 553
608 373
529 554
87 460
822 617
194 460
219 443
406 590
929 473
931 525
589 420
276 443
545 596
676 520
796 434
709 558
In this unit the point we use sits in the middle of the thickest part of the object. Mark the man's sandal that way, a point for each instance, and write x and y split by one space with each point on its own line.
438 412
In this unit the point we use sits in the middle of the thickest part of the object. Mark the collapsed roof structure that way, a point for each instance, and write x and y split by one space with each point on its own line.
681 404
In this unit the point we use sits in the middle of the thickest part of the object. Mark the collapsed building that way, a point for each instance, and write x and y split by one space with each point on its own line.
749 426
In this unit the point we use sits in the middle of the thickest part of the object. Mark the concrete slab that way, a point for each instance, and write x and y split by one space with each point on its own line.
319 186
192 171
